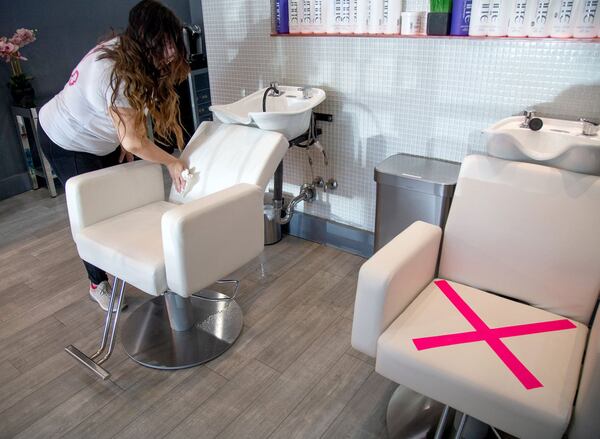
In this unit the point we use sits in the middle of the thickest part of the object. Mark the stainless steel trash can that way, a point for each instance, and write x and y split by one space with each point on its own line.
412 188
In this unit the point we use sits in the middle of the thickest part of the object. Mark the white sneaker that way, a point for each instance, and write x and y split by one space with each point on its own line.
101 294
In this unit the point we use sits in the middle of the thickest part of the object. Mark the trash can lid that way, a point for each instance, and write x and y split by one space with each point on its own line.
428 175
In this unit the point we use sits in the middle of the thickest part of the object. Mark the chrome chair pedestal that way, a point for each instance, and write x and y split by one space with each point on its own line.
412 415
110 330
171 332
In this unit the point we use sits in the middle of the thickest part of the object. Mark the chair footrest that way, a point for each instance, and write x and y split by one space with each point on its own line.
87 362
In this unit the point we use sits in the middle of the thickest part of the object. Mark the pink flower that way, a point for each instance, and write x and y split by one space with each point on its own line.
16 40
7 48
22 37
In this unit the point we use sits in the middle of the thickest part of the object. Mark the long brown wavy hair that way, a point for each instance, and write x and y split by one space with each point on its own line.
149 62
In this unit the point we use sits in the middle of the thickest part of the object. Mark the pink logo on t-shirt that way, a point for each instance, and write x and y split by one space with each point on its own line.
74 77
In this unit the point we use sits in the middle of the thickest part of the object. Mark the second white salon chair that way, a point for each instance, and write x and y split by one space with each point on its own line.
501 335
175 247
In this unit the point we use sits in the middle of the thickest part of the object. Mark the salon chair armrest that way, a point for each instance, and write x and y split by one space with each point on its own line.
585 422
390 280
96 196
211 237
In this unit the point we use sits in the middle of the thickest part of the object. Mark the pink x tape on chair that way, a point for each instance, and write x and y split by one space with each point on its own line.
174 247
501 335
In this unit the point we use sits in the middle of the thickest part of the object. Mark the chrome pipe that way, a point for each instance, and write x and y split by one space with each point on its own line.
111 345
179 311
110 325
107 321
461 426
307 193
496 434
441 427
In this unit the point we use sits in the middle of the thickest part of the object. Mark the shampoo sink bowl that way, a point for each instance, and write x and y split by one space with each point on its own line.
560 143
289 113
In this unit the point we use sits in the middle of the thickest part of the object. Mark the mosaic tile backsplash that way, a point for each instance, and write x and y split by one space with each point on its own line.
428 96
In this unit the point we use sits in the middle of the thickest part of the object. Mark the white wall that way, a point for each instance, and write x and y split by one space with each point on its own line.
429 97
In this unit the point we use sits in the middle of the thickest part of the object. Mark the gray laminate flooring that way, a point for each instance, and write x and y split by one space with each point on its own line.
292 372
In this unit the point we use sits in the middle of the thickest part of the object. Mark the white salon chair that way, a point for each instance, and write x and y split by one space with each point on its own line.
173 248
521 246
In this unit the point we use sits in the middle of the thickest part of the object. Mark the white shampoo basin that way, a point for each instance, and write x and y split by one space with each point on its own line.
289 113
560 143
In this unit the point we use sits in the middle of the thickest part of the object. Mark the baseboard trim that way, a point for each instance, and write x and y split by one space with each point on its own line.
330 233
14 185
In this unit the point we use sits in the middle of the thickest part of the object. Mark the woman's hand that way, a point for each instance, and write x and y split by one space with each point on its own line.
175 168
125 155
135 142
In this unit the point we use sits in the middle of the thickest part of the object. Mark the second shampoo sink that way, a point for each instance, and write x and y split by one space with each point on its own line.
288 113
559 143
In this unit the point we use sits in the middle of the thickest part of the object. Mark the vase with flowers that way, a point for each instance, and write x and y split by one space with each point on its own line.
21 90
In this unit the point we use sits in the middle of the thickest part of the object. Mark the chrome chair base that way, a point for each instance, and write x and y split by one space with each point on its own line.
149 339
412 415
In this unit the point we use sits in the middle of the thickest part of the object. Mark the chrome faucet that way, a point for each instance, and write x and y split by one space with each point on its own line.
274 87
588 127
529 114
306 92
272 90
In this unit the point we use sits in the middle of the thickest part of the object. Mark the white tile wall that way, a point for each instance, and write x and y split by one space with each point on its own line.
430 97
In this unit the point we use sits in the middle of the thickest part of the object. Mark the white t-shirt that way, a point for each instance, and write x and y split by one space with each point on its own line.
78 118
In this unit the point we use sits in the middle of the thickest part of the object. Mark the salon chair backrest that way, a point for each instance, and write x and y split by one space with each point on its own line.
222 155
528 232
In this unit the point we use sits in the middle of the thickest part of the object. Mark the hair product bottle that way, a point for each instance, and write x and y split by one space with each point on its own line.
348 23
480 14
306 18
375 16
539 19
281 16
498 19
461 17
587 18
318 11
294 16
362 16
391 16
517 18
562 15
334 16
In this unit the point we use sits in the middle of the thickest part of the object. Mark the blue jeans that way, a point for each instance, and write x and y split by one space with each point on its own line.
67 164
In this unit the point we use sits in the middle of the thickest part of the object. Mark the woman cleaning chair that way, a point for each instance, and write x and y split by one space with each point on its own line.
106 101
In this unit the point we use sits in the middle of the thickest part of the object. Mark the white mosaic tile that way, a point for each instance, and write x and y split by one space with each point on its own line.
430 97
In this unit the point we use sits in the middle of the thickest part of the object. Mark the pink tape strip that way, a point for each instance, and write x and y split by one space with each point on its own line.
502 332
491 336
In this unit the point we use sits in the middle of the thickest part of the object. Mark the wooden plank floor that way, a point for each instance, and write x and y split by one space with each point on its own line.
292 372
